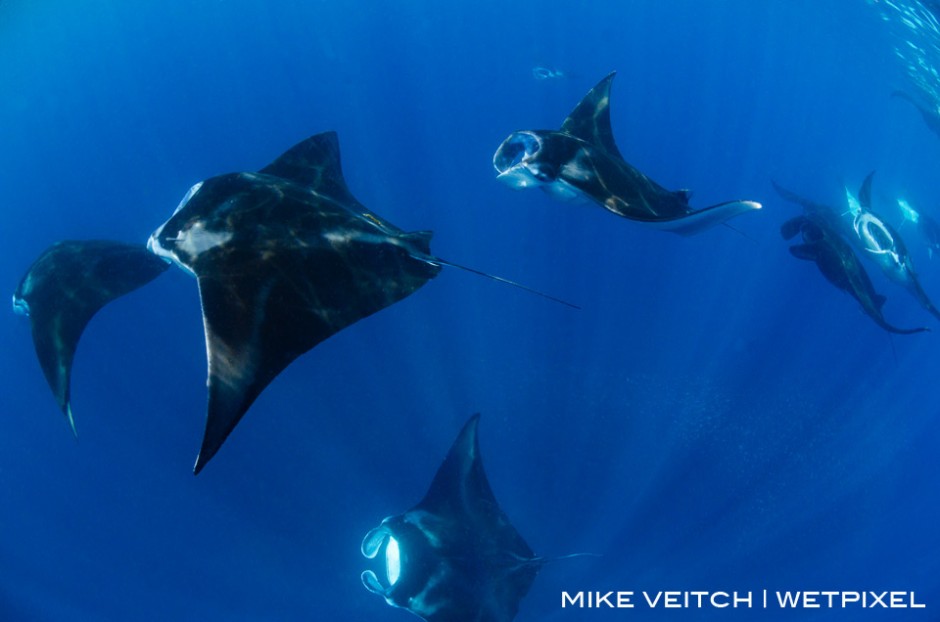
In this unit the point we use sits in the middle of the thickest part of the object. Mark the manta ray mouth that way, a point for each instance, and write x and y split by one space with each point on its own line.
874 234
376 541
513 156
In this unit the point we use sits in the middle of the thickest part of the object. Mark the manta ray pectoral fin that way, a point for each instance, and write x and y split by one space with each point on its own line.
792 227
590 119
265 306
254 328
792 197
809 252
65 287
315 163
695 222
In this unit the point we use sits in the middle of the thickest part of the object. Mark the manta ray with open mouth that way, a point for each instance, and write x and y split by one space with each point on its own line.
582 161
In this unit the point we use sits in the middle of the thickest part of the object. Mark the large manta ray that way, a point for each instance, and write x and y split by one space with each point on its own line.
581 160
284 258
454 557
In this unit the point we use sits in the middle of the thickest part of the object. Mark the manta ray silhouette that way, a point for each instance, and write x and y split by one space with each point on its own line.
284 258
823 240
454 557
582 161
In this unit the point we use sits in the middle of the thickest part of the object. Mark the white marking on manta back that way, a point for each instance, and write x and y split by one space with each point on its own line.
197 239
190 243
579 168
342 237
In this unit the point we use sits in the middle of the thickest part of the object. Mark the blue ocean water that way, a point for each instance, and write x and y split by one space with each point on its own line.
716 417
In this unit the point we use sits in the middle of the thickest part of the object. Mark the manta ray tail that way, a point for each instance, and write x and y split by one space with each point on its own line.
500 279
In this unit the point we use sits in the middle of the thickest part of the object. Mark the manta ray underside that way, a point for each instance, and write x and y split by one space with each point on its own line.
454 557
582 161
284 258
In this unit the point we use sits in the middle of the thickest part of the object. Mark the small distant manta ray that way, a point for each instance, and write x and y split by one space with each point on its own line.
884 245
547 73
927 226
931 117
284 258
582 161
838 263
454 557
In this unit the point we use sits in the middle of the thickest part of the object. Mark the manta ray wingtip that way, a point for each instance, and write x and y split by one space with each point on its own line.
70 419
199 465
205 454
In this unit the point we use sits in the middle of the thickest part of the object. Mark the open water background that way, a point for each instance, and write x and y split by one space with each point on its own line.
716 417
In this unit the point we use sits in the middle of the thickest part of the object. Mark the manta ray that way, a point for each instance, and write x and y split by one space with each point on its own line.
284 258
454 557
838 263
884 245
582 161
